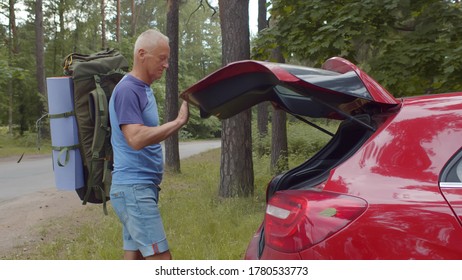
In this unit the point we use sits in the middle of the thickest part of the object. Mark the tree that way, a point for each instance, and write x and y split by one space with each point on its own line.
262 108
118 21
103 25
133 21
414 49
236 170
172 154
39 48
200 54
13 50
279 146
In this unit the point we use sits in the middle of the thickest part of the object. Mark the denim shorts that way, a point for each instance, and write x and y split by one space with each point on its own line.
136 207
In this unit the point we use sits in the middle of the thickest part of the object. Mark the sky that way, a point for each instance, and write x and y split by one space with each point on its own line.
253 16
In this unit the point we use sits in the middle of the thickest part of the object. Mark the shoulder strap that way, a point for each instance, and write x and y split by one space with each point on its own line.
101 136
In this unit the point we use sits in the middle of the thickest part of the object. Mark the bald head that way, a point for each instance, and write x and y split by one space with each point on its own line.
148 40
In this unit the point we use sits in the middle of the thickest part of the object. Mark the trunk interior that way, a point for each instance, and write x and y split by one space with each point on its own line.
347 140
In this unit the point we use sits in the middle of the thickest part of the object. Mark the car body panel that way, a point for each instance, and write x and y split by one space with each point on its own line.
397 172
454 198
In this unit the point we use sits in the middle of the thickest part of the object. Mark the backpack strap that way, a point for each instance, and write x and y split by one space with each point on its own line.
62 150
100 143
62 115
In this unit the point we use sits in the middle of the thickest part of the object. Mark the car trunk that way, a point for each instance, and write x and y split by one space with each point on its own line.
338 91
349 137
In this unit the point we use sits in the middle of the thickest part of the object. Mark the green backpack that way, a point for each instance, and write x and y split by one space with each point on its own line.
94 78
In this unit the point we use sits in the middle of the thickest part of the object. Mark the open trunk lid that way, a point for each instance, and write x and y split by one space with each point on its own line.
339 90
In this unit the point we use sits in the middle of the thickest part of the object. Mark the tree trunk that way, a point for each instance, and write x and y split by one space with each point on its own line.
40 60
133 26
279 154
10 106
236 170
279 146
262 108
172 155
40 48
103 25
61 28
12 52
118 22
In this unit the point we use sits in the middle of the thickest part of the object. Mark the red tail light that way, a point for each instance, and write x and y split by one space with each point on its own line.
298 219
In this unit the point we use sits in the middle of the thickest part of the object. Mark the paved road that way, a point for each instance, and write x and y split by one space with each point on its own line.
35 173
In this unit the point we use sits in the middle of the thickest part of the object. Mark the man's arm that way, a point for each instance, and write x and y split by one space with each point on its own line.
139 136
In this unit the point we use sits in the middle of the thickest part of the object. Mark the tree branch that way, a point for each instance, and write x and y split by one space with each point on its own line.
201 5
210 6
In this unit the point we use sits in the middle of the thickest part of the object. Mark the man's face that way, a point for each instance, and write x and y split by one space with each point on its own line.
156 60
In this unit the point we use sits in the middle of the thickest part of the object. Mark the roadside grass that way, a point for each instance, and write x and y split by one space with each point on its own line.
28 144
199 225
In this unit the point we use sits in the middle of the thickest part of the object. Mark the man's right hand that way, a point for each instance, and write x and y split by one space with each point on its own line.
183 114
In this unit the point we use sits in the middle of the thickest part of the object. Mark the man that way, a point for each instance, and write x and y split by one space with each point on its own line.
138 160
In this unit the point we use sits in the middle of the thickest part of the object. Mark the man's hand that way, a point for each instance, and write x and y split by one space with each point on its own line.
139 136
183 114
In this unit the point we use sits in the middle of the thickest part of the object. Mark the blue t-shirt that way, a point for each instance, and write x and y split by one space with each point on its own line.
133 102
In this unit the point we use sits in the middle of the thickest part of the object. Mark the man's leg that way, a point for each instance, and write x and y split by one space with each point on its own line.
133 255
162 256
142 224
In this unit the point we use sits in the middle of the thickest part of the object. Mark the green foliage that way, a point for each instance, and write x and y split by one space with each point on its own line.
200 128
426 59
302 140
410 47
305 140
200 55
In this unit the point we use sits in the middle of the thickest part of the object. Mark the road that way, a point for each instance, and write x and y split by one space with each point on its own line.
35 173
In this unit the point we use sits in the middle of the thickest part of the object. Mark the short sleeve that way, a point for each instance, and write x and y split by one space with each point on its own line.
129 105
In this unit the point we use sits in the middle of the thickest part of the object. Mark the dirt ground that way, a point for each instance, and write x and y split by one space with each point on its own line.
21 218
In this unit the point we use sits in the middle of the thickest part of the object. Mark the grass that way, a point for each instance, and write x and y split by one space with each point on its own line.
29 143
199 225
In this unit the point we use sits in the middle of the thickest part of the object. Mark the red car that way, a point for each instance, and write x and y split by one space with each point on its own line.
388 185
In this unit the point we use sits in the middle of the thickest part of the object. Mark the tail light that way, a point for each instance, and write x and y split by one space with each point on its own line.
298 219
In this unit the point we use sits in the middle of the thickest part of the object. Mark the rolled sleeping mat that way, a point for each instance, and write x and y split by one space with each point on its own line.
67 160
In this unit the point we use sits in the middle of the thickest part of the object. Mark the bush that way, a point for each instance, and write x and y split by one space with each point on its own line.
302 140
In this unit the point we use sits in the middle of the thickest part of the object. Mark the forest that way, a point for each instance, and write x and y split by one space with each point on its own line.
79 26
410 47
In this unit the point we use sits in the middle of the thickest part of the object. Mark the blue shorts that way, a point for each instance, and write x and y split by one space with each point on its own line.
136 206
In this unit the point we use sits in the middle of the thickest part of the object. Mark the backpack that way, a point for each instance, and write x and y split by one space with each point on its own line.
94 77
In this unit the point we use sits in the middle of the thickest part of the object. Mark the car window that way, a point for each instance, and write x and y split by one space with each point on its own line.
459 170
452 173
